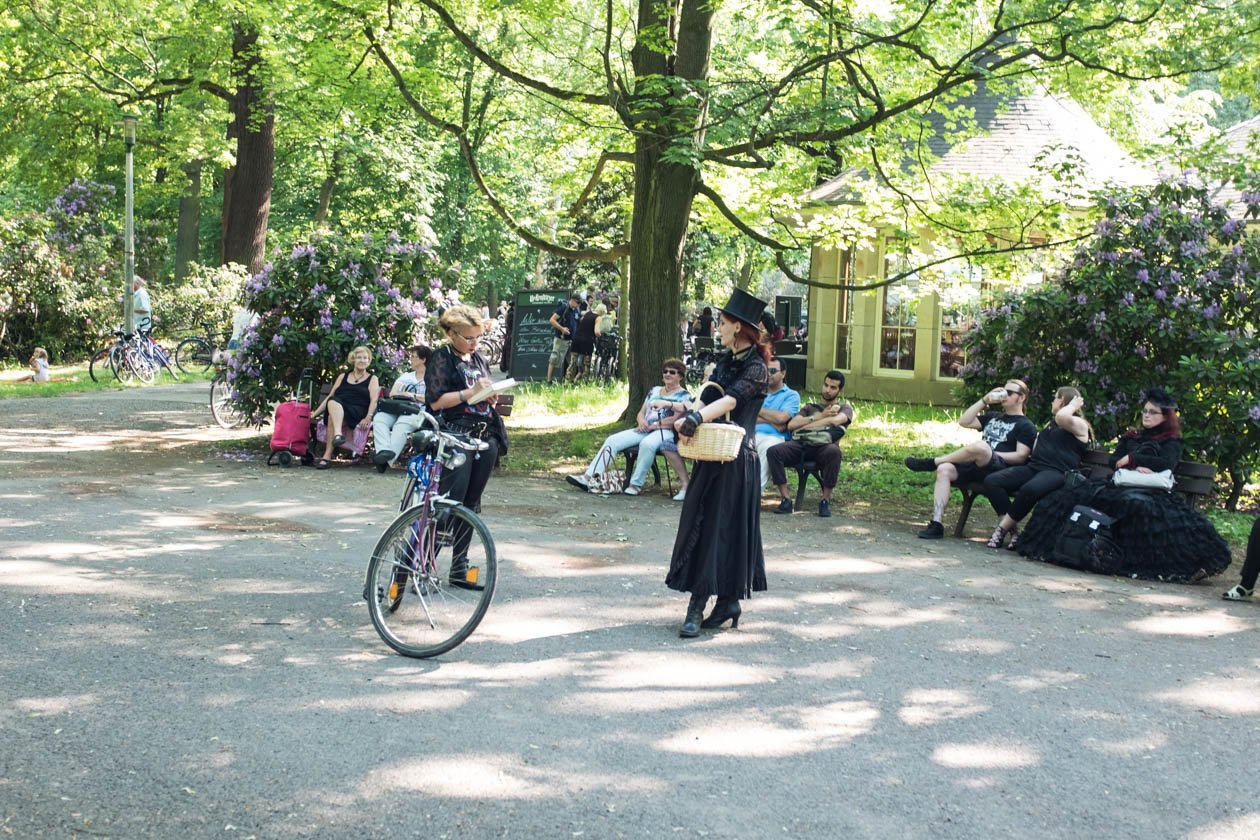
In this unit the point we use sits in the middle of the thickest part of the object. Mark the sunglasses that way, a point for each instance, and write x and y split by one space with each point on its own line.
772 370
670 371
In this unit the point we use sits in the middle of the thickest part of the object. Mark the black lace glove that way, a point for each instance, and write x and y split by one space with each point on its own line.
690 421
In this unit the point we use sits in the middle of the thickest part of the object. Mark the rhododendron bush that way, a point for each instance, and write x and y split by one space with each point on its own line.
325 297
1165 293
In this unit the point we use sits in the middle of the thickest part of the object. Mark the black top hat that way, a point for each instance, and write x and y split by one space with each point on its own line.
744 307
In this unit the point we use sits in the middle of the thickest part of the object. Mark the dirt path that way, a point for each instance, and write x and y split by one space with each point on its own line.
183 652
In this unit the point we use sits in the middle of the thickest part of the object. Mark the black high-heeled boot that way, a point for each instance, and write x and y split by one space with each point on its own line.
724 608
695 612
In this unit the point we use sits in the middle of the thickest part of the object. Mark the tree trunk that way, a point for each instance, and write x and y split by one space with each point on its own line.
663 190
188 233
326 189
1238 483
247 188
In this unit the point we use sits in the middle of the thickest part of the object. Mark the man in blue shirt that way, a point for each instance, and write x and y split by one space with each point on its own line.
563 325
781 405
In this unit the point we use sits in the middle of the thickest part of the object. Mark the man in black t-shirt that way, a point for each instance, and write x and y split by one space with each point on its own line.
563 325
1006 439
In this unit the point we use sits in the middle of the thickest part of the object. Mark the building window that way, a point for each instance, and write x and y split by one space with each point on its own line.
962 289
899 316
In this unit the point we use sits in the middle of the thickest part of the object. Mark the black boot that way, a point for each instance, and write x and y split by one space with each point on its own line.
695 612
724 608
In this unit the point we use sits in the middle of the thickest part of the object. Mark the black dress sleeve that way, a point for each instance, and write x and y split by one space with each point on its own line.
749 381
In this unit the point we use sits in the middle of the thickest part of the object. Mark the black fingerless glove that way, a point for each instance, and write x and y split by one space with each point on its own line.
690 421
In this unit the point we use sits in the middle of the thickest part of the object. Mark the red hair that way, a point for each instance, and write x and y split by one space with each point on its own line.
752 335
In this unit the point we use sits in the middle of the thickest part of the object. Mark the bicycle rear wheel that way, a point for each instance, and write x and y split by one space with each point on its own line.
194 355
99 367
118 364
222 408
421 578
145 369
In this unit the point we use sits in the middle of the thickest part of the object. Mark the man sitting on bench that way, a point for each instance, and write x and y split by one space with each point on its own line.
1007 438
815 431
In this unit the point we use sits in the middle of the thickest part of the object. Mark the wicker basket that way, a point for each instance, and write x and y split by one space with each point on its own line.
713 441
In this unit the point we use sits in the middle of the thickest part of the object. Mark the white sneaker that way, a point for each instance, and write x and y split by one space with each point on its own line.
631 490
680 495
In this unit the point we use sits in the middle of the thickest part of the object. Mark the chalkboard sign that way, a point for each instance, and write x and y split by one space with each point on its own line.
532 333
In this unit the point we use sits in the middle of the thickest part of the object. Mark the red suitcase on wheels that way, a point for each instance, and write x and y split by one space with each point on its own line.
291 429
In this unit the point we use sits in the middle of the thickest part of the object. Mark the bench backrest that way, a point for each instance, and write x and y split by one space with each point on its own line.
1194 480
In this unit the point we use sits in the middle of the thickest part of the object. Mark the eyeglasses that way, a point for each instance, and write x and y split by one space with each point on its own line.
471 339
668 372
772 370
1153 412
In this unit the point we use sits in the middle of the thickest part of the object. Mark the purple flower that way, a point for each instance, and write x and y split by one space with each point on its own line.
1143 275
286 321
1211 311
1081 300
366 299
312 348
1251 197
347 326
1127 299
325 318
302 251
1254 414
277 340
1161 294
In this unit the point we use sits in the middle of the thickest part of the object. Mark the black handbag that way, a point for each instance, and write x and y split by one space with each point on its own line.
398 407
1086 542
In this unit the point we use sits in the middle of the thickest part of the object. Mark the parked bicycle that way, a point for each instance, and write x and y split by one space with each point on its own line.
222 407
104 364
144 358
432 573
196 353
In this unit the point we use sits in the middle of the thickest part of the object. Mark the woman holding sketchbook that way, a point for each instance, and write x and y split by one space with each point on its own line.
456 383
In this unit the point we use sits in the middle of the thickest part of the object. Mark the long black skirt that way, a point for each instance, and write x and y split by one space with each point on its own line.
1158 535
718 548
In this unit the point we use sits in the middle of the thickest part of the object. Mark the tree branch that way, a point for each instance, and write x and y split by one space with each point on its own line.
466 151
621 157
505 71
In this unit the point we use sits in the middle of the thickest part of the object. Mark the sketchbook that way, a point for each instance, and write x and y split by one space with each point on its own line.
497 388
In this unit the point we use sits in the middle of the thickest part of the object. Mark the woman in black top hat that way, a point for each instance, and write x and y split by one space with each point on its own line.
1157 535
718 547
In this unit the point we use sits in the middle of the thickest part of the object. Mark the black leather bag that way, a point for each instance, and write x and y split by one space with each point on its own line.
398 407
1086 542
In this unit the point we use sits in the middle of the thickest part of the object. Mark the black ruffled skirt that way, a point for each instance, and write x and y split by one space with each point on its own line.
1158 535
718 548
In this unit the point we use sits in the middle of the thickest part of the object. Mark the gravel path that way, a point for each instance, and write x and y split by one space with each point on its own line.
184 653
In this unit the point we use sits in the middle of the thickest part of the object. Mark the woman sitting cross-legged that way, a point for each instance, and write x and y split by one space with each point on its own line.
1155 534
1058 449
352 401
653 432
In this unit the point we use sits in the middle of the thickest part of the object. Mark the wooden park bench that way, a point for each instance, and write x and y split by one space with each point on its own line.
1194 481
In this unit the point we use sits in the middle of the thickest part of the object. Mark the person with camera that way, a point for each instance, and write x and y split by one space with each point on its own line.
1006 439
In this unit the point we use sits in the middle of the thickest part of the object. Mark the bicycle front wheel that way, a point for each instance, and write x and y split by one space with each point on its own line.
430 579
222 408
194 355
141 365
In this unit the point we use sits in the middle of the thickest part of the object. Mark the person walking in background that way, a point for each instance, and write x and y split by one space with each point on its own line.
563 324
718 548
582 347
141 306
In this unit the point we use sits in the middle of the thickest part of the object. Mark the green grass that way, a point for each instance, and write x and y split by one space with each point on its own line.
558 429
73 379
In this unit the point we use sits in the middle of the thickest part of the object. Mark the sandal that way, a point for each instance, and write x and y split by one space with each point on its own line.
999 537
338 440
1238 593
322 464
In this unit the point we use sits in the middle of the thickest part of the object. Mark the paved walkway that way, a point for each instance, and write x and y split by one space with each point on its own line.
183 652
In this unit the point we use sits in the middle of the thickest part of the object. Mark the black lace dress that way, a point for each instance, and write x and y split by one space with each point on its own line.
718 547
1158 535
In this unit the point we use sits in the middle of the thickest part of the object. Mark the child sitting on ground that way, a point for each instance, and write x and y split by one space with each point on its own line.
39 367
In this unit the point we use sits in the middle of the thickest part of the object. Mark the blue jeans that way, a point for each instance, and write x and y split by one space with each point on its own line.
655 441
613 444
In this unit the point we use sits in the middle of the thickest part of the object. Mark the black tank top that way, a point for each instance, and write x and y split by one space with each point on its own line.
1057 449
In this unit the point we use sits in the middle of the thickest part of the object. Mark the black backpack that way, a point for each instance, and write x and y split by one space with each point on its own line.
1086 542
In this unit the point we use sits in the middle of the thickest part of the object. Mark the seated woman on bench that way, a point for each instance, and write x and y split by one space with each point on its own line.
1157 535
1058 449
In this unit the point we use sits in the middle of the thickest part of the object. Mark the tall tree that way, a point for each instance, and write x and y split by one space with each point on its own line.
694 87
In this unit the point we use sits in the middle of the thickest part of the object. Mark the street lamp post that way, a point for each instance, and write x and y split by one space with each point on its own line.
129 236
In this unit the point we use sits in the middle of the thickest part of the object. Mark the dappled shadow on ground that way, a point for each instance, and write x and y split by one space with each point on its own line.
203 628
